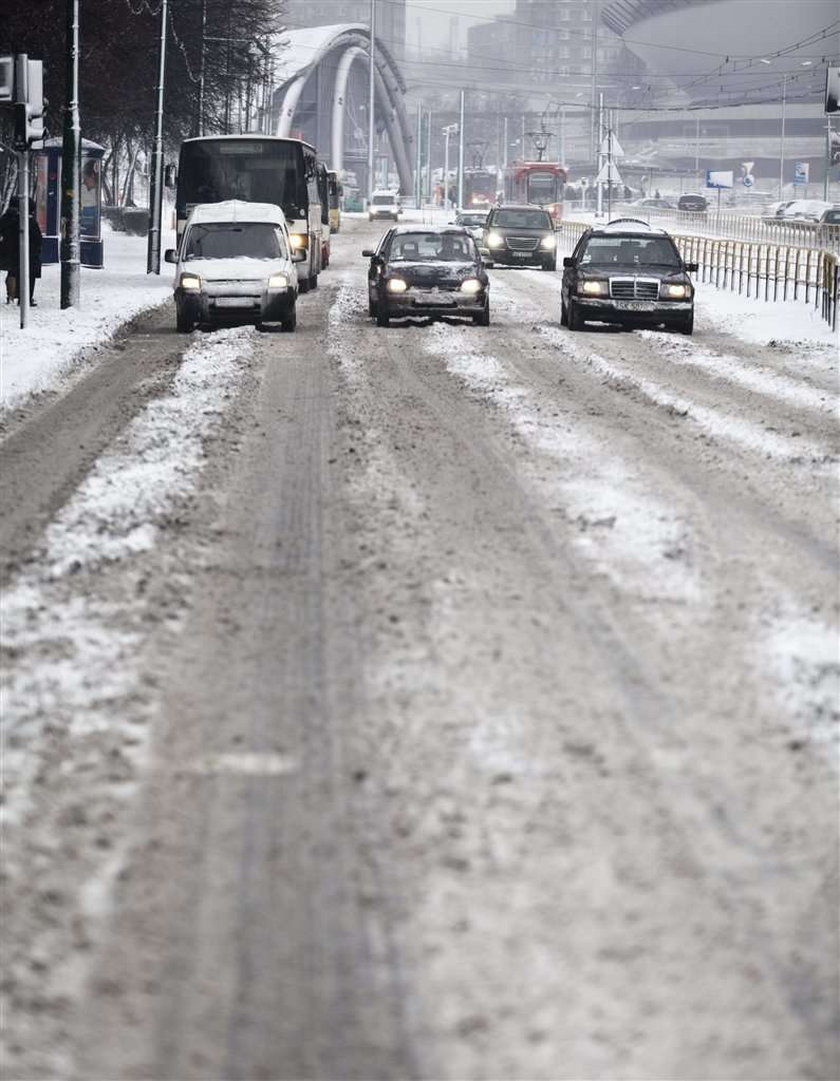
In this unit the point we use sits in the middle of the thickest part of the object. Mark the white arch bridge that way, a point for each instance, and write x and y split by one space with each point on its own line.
321 94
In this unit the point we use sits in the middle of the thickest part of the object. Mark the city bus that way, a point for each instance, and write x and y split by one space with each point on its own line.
324 199
539 182
334 192
259 169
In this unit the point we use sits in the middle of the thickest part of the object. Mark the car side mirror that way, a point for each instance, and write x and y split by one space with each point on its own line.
692 268
298 255
170 256
568 260
368 253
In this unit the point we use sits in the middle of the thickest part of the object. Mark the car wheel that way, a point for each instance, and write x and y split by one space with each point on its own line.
686 326
574 320
183 324
371 308
564 315
482 318
289 321
382 317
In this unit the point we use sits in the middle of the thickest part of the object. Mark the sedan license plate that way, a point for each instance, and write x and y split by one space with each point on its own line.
636 305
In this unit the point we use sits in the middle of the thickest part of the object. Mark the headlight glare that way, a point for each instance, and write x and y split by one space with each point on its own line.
495 240
548 242
278 281
677 291
594 289
471 285
297 240
190 281
396 285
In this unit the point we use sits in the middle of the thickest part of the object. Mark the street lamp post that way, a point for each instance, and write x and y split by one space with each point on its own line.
450 129
782 143
371 95
156 189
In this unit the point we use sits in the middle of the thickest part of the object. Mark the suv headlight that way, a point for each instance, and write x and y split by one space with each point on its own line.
471 285
548 242
278 281
676 290
495 240
190 282
396 285
594 289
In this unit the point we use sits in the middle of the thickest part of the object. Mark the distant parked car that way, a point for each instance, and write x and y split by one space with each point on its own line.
805 210
650 202
693 202
831 216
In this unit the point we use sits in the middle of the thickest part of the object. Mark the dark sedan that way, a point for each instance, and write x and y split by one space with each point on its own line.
630 274
433 271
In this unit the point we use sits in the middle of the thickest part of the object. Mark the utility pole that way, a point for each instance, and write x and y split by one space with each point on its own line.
156 186
200 124
71 169
599 211
418 184
371 98
782 143
430 187
461 152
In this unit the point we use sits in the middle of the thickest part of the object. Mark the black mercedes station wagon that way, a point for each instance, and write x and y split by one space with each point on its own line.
427 271
627 273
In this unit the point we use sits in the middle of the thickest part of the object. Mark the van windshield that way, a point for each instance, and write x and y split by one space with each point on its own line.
224 240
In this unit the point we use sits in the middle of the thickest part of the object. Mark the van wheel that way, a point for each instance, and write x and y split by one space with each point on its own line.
183 324
382 317
289 321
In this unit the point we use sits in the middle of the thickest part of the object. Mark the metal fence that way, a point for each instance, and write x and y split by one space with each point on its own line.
740 226
764 271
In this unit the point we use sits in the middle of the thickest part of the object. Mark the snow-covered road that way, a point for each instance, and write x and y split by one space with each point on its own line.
431 701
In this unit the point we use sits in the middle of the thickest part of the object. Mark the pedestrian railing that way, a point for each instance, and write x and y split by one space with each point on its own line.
764 271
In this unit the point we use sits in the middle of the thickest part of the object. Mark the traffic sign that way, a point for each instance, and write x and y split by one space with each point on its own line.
609 174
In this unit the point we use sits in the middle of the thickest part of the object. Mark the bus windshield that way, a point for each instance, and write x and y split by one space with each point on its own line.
259 171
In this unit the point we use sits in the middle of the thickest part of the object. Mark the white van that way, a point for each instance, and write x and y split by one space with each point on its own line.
384 204
235 265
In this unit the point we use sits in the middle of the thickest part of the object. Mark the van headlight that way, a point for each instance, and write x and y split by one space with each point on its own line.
495 240
278 281
549 243
471 285
594 289
190 282
396 285
676 291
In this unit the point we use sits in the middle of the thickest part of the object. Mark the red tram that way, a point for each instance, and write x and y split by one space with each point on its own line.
479 189
539 182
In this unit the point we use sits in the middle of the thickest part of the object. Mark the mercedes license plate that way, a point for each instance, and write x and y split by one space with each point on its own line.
522 254
636 305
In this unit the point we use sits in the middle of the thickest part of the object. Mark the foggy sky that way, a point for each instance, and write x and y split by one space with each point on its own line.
435 15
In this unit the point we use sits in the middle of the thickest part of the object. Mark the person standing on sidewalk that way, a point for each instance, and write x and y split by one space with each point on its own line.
10 249
36 242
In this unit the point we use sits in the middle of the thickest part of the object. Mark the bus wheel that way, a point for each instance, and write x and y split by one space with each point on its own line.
304 285
313 282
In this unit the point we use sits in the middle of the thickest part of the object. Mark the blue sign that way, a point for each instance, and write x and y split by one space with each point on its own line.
801 170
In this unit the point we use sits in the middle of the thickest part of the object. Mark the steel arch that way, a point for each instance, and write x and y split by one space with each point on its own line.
326 54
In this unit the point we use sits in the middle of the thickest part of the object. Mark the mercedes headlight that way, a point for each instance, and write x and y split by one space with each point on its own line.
495 240
278 281
396 285
471 285
190 281
594 289
549 242
675 291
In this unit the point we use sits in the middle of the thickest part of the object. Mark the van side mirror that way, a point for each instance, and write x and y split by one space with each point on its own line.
170 256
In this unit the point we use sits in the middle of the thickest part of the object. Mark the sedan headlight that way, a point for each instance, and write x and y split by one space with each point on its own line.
594 289
278 281
549 243
495 240
676 291
471 285
298 240
190 281
396 285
